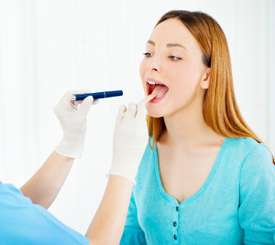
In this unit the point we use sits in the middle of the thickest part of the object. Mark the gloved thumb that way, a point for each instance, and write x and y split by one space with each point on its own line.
86 104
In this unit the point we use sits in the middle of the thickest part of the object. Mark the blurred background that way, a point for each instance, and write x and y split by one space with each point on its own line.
50 46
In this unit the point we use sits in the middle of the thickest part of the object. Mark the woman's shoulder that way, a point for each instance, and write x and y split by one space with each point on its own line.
247 145
250 152
244 142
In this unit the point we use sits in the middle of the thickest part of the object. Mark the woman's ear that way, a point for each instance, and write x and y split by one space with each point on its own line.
205 79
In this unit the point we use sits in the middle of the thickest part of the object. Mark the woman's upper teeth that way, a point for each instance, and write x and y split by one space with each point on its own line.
154 82
151 82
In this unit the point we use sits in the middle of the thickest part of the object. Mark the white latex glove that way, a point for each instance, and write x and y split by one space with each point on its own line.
73 120
130 139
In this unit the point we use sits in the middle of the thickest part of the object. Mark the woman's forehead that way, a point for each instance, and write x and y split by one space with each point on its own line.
172 31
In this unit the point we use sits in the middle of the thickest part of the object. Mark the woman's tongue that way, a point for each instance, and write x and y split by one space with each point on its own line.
159 91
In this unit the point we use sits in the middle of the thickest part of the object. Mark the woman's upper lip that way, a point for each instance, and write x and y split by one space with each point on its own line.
156 81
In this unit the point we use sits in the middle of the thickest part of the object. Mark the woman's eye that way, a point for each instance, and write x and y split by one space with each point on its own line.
174 58
147 54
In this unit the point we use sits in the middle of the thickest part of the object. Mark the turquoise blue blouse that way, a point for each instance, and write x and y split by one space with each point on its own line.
235 205
24 223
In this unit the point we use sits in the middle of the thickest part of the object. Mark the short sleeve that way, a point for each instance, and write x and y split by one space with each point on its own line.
257 197
132 233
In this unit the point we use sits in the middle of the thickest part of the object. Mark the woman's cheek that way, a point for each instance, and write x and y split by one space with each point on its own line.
182 87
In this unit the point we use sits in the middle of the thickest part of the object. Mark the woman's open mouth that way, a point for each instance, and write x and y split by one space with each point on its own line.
158 88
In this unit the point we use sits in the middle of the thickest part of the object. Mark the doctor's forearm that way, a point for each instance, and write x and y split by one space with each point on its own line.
108 223
45 184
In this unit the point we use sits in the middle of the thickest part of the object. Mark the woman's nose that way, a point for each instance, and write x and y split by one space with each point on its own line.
155 64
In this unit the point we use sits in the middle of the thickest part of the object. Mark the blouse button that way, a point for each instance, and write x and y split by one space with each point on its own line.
174 223
177 208
175 237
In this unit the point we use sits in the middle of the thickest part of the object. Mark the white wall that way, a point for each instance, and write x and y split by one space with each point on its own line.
270 98
48 47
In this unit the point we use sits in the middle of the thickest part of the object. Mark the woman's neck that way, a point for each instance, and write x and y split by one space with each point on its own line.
187 128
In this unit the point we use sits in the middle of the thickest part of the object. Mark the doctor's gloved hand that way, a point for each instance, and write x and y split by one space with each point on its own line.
73 120
130 139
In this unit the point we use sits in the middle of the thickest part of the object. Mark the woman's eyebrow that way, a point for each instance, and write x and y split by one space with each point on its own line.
151 42
171 45
168 45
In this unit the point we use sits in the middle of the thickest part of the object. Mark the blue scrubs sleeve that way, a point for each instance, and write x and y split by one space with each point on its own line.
22 222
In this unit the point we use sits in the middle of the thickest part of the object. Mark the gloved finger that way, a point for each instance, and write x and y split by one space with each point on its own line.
67 98
86 105
65 102
121 111
80 91
131 110
141 110
141 106
76 103
96 101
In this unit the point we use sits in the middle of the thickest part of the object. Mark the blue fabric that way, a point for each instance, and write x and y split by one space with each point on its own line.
22 222
235 205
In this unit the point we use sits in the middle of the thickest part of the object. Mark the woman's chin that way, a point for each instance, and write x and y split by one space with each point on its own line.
154 113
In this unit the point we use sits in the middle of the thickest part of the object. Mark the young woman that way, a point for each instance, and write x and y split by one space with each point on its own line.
205 177
23 215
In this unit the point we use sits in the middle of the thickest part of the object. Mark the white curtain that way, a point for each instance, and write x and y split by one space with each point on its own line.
50 46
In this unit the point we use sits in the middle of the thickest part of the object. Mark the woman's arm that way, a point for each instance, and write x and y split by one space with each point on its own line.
257 195
45 184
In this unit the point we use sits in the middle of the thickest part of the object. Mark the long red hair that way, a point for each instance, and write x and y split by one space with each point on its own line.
220 110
